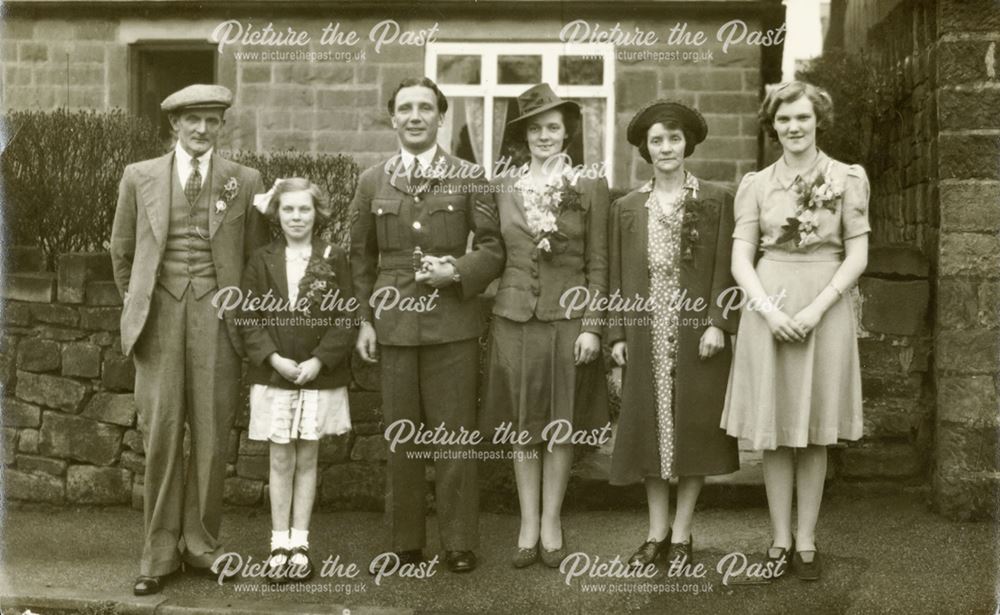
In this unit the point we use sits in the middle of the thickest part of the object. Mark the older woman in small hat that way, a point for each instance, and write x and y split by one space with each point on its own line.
670 243
545 374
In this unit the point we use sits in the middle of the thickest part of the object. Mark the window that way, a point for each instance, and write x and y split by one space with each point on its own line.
160 68
482 82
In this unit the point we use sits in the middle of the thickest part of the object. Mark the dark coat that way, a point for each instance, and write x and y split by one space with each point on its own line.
534 282
701 447
330 342
390 218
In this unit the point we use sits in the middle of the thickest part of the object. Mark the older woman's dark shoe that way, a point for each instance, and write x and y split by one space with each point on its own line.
648 552
682 552
807 569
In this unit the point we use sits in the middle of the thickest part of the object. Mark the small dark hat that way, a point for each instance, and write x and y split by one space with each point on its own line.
198 96
691 121
537 100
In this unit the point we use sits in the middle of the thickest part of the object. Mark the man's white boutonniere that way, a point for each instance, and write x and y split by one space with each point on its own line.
229 191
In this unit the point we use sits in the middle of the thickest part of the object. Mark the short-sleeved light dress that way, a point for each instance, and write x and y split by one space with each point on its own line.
798 393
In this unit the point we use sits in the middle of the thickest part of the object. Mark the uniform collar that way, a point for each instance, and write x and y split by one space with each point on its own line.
426 158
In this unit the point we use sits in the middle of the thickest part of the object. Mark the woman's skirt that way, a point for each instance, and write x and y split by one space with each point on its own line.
795 393
533 385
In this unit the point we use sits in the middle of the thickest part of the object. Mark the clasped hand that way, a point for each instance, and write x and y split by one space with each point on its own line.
793 328
296 373
436 271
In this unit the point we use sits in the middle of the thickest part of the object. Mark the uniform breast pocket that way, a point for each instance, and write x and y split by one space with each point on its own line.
449 227
387 224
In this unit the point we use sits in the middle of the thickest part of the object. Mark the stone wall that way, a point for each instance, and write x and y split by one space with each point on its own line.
939 193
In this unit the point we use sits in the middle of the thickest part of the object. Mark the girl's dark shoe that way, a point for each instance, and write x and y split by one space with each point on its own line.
682 552
299 571
648 552
807 570
778 561
525 556
276 573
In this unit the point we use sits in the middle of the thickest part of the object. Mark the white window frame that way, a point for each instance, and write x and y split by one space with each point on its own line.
488 88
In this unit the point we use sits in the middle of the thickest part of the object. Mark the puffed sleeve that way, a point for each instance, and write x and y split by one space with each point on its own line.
747 211
854 213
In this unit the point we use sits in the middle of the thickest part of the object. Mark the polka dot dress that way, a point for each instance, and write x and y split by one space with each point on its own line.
665 222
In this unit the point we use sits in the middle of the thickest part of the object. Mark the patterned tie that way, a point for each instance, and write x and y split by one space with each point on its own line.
193 185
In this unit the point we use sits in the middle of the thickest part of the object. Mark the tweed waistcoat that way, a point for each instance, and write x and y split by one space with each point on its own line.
187 256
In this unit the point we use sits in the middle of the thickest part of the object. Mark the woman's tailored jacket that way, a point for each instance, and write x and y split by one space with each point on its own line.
700 384
392 216
535 282
327 335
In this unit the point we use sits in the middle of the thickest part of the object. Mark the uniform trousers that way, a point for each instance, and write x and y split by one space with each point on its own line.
186 373
434 384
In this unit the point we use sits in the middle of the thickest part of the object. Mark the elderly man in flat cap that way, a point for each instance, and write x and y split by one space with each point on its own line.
183 228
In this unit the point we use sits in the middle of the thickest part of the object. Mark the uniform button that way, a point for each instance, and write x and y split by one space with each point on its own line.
379 212
534 291
534 274
451 208
416 225
416 199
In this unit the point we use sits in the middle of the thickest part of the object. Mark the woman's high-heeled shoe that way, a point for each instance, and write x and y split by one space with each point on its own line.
553 558
525 556
807 571
778 560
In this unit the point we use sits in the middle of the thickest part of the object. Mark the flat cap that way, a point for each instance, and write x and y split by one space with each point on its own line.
198 96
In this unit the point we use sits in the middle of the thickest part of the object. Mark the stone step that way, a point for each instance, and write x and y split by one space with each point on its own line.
25 259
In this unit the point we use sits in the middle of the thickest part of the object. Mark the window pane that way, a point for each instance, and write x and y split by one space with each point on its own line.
462 131
581 70
519 69
459 70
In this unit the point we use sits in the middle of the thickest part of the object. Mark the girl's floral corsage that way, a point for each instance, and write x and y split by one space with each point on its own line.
811 198
229 191
319 278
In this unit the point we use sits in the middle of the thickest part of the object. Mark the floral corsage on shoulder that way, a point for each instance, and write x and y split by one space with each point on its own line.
319 279
811 198
542 207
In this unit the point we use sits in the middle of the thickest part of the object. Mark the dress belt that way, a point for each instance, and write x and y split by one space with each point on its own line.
803 257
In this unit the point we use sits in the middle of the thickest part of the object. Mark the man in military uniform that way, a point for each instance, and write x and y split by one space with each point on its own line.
411 220
183 228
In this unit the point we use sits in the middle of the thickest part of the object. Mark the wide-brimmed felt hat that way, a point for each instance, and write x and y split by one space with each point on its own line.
198 96
691 121
537 100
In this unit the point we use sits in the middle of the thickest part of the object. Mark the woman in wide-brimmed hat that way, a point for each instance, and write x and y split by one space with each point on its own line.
670 242
545 372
